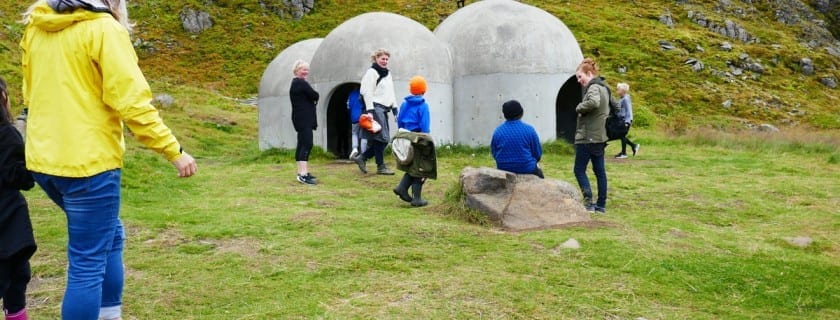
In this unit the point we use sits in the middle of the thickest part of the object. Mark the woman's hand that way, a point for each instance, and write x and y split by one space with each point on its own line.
186 165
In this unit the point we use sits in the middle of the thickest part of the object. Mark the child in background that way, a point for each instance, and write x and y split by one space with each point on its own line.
358 143
414 125
17 244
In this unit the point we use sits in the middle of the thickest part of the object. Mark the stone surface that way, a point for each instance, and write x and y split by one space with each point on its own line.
521 202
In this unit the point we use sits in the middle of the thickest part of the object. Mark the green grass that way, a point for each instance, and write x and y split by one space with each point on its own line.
696 225
696 228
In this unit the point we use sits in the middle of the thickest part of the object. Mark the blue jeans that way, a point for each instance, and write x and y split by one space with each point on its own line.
95 241
583 154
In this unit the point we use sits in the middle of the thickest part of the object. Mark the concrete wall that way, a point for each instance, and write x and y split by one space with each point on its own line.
275 108
479 102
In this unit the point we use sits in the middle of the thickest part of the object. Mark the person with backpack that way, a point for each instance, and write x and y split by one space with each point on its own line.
377 92
591 134
626 114
17 242
414 122
83 87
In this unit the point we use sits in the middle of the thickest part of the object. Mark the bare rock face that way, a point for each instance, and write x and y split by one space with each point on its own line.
195 21
521 202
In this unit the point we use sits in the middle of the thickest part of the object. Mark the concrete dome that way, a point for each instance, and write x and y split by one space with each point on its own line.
509 37
343 57
275 108
502 50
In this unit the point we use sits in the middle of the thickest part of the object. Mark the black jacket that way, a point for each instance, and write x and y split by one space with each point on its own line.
15 227
304 99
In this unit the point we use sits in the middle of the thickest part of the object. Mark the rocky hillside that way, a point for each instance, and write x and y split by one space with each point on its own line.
720 63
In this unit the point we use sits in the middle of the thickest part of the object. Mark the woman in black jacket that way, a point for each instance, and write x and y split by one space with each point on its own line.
17 244
304 99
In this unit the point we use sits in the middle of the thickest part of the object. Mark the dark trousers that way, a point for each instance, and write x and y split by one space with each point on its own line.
594 152
14 276
625 141
376 149
304 145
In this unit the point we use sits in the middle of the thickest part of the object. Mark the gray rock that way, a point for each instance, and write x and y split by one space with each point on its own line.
666 19
829 82
665 45
765 127
727 104
572 243
834 51
622 69
195 21
700 49
807 66
756 67
164 100
521 202
726 46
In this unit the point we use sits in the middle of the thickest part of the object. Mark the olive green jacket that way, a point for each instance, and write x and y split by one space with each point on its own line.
424 164
592 113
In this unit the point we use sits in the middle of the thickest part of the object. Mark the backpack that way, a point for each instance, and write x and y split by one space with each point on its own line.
614 124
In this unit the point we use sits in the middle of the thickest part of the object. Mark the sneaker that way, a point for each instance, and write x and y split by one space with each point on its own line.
600 210
589 207
354 154
361 163
636 149
306 180
621 156
383 170
310 176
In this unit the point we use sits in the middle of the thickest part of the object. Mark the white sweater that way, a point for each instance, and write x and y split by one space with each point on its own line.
382 93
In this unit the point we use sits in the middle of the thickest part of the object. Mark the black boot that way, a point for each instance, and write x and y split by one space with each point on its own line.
417 190
402 188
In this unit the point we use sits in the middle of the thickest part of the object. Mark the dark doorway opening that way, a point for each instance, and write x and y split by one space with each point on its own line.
339 133
567 100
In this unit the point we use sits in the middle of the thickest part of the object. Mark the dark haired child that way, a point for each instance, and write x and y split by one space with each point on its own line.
17 244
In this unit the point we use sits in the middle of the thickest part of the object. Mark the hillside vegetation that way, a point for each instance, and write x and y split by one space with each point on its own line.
230 57
702 224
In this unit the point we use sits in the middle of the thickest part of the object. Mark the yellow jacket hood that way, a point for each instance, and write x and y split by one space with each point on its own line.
46 18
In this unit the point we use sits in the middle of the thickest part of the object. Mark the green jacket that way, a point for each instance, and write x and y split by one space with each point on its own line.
592 113
424 164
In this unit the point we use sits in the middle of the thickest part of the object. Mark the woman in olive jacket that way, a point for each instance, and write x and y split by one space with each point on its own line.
591 135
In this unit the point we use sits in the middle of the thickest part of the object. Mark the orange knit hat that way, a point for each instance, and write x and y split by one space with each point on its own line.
417 85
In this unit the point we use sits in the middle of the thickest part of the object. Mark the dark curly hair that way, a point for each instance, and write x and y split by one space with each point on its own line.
5 116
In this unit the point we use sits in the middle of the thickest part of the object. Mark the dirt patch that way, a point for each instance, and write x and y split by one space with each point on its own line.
245 247
167 238
306 216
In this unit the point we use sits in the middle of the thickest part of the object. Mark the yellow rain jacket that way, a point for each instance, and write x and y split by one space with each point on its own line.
81 82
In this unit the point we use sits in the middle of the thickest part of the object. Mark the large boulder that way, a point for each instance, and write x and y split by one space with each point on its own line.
521 202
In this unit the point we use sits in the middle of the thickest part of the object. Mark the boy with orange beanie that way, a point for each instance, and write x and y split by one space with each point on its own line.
414 122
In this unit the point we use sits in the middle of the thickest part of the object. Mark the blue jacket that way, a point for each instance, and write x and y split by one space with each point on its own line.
626 111
414 115
516 147
354 105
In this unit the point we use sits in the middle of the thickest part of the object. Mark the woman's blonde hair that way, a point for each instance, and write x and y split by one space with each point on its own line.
299 64
588 66
378 53
117 8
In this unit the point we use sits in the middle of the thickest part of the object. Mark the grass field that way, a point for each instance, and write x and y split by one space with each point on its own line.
696 228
